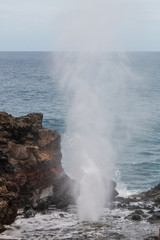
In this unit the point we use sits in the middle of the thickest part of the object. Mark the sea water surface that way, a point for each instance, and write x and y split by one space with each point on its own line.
28 84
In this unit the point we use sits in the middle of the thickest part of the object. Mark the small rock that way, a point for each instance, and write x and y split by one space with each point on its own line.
61 215
43 204
139 211
136 217
29 212
2 228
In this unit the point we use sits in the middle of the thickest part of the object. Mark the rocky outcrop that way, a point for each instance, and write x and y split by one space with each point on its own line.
151 195
30 157
30 163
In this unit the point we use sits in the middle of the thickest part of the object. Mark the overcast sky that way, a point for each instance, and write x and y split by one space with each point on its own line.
44 25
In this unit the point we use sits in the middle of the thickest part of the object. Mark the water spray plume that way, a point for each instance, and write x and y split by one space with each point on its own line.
90 84
93 84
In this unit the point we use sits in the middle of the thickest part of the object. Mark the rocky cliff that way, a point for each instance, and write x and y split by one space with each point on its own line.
30 158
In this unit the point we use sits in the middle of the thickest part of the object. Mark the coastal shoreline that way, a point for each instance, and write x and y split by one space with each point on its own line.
33 179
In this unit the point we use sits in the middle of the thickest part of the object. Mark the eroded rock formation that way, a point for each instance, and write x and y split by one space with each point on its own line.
30 163
30 157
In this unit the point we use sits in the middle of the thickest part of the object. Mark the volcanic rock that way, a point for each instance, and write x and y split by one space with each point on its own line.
134 216
151 195
30 156
155 217
29 212
139 211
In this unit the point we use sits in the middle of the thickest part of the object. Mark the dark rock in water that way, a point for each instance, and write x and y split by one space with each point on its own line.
29 212
61 215
43 204
8 201
139 211
136 217
30 157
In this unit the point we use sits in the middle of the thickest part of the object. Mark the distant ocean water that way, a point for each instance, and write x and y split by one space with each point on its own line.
28 84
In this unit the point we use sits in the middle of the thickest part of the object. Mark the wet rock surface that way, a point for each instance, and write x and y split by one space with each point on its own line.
140 210
65 224
129 222
29 212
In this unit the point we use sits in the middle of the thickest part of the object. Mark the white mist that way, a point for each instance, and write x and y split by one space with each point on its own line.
93 83
94 87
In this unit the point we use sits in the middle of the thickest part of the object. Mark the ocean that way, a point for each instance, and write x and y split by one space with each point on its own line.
29 84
